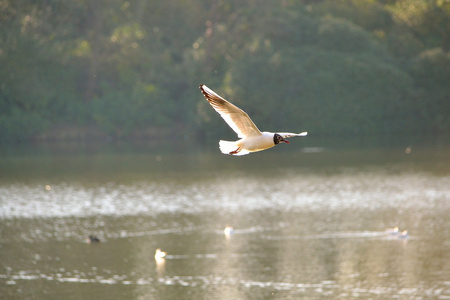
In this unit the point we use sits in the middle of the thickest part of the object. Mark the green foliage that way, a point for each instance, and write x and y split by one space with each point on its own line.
342 36
18 125
371 15
120 113
327 92
33 93
128 68
431 73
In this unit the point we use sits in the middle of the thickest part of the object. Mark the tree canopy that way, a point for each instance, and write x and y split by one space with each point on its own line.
82 69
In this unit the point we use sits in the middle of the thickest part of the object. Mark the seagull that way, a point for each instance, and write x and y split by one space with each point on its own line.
228 231
404 235
251 139
159 254
392 231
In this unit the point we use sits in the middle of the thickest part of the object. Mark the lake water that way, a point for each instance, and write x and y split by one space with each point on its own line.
309 222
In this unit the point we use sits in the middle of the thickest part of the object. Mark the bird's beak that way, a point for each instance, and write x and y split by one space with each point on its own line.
286 141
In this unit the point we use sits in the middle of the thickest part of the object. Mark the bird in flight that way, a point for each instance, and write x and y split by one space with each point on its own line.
251 139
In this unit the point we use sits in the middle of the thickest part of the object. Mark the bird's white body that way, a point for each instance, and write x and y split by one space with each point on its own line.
228 231
159 254
252 139
248 144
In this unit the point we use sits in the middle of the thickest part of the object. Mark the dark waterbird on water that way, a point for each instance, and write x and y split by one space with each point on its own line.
252 140
92 239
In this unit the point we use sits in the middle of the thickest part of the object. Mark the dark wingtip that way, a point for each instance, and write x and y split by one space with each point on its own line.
201 86
203 91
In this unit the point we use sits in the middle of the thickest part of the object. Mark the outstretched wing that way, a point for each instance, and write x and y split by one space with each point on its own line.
235 117
290 134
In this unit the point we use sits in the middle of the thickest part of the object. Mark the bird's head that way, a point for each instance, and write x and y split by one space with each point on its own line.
278 139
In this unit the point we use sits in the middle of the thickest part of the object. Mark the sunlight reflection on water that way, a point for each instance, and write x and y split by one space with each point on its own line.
371 190
314 230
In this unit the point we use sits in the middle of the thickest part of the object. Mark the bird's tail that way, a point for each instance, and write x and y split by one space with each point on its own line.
231 148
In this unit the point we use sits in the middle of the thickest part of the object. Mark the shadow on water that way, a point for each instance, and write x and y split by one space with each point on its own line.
309 221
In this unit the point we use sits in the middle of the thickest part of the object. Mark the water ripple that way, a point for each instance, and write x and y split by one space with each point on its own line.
329 288
369 190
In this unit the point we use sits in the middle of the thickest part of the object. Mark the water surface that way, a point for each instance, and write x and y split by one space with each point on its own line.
308 222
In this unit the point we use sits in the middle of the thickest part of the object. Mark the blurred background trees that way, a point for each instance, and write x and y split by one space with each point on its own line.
131 69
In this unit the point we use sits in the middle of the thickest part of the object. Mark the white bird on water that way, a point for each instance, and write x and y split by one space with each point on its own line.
159 255
228 231
251 139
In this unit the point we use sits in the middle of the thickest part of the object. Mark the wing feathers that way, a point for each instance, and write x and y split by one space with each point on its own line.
289 134
235 117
